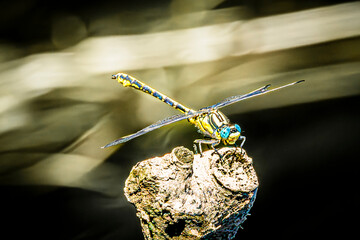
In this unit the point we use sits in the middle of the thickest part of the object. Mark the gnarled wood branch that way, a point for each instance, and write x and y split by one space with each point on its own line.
185 196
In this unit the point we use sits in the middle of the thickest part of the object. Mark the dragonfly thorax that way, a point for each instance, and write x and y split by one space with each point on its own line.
216 125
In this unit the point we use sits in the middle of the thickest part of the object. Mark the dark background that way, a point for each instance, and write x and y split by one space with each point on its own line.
305 154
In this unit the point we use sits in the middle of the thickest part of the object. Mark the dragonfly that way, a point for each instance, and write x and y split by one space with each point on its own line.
209 121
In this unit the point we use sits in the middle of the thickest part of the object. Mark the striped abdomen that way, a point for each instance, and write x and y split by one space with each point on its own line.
128 81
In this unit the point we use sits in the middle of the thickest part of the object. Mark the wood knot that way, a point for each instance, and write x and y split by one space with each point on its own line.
182 157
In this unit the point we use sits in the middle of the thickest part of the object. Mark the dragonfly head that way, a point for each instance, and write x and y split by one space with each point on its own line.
230 133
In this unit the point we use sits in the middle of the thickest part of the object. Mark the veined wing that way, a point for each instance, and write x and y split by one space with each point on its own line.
254 93
154 126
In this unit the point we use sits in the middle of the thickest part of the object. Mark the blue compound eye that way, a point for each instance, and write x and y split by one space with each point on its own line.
238 128
225 132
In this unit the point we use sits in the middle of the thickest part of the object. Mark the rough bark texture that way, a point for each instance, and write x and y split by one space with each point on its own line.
185 196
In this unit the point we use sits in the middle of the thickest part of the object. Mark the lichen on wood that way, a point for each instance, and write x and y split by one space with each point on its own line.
186 196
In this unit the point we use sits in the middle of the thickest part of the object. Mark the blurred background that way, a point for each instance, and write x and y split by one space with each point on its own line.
59 105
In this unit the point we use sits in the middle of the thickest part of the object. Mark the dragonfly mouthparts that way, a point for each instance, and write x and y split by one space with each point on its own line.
114 76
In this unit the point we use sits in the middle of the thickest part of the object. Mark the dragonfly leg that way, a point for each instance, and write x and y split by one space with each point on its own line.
198 141
242 138
216 151
195 148
213 143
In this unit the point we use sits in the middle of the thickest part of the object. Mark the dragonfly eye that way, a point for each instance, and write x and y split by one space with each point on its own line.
238 128
225 132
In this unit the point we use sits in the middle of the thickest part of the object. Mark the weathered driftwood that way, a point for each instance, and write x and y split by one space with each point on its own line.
185 196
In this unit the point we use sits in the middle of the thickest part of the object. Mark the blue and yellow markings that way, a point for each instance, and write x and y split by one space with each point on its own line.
168 101
157 95
147 89
128 81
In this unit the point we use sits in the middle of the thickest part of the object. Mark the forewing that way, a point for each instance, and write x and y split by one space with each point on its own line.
152 127
254 93
234 99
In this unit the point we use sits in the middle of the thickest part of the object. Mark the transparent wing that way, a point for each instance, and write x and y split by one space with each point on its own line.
254 93
154 126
